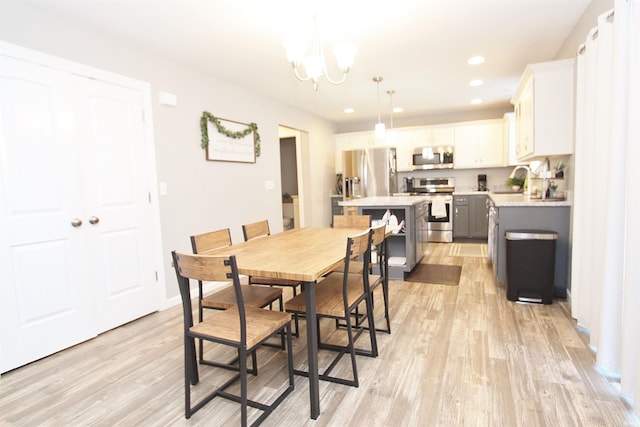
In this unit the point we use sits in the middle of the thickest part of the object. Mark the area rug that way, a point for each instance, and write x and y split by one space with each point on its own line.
436 274
474 250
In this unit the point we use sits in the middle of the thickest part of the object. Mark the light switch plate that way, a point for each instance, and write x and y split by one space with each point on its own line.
268 185
162 188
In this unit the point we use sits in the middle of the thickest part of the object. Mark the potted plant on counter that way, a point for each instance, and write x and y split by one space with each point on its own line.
515 183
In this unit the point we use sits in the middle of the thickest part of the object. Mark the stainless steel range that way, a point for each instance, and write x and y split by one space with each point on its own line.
439 193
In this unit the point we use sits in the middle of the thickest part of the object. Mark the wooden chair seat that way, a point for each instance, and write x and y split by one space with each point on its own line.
253 297
329 300
355 267
224 325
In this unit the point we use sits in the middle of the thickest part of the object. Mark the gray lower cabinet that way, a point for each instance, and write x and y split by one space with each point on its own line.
470 217
552 218
478 216
410 244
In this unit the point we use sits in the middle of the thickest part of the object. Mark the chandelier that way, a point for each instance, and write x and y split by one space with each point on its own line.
314 64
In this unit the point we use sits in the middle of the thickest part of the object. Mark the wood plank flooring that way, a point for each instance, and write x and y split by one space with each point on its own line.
457 356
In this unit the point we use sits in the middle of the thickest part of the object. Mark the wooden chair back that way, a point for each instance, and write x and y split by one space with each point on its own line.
214 268
378 234
202 243
358 246
377 239
255 230
351 221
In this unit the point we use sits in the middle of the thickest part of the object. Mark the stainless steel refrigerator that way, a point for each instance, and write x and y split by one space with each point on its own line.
369 172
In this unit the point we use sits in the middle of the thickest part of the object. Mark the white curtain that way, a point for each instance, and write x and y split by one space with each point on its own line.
605 285
630 365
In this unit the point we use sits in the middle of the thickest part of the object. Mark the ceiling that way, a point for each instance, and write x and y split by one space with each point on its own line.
419 47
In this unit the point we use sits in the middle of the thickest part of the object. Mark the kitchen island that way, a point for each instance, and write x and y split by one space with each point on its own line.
516 211
406 247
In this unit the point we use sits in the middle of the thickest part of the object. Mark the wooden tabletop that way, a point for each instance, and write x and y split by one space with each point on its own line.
303 254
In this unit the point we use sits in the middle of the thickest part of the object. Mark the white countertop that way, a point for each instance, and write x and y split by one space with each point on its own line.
384 201
471 193
519 199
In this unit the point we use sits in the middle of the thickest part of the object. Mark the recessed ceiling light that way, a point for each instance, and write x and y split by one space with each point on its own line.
475 60
398 109
476 101
476 83
349 110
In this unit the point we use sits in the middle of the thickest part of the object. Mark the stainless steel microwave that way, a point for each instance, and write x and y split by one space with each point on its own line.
439 157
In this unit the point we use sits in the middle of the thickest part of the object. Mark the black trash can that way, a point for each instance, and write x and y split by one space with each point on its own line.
531 256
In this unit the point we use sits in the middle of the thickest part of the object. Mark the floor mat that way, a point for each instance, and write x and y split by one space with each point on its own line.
436 274
474 250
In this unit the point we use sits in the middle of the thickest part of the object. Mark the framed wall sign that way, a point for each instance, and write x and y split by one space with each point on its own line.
227 140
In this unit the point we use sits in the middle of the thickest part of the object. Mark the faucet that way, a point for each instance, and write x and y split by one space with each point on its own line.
513 172
513 175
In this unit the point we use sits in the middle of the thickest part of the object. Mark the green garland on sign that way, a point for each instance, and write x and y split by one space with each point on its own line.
208 117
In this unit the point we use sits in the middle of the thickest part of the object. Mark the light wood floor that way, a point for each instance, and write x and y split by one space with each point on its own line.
458 356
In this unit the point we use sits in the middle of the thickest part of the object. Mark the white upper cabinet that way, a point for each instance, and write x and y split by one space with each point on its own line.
509 122
544 105
403 140
480 144
438 135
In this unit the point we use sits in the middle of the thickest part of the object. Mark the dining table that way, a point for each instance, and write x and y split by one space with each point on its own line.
303 254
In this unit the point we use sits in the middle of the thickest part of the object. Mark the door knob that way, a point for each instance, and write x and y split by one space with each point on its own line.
94 220
76 222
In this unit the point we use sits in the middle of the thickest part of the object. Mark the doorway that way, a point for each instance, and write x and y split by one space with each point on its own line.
291 176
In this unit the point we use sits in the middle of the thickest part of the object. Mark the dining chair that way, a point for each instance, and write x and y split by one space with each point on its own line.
226 298
337 297
381 279
261 229
242 327
356 266
351 221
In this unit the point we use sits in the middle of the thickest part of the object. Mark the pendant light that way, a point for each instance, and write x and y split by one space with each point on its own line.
391 134
379 129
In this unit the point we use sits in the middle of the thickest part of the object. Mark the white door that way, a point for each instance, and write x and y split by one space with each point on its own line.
116 202
71 152
44 290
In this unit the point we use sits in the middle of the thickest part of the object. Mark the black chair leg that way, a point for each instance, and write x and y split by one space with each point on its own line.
242 357
352 352
372 325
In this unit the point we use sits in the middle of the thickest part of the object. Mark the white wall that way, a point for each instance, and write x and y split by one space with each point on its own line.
585 24
202 195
